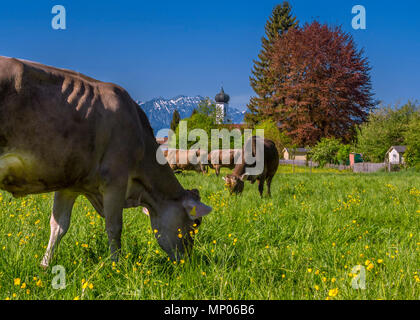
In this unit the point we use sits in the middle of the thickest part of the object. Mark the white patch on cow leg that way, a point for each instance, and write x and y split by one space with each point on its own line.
59 222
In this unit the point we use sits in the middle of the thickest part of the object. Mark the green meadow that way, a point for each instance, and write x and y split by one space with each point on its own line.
303 243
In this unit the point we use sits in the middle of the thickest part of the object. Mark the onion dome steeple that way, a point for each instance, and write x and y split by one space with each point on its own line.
222 97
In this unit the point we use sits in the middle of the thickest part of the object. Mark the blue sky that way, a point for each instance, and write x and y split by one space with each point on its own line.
167 48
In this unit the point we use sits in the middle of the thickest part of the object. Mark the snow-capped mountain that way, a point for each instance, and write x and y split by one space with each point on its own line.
160 110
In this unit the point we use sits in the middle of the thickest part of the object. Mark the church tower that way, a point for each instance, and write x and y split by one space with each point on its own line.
222 103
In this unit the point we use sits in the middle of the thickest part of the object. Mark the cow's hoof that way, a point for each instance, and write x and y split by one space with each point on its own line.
44 264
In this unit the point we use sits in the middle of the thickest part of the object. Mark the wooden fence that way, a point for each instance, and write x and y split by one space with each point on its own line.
340 167
299 163
366 167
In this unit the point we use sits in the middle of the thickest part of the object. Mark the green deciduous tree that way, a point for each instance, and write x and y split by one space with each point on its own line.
385 128
273 133
412 140
343 154
203 118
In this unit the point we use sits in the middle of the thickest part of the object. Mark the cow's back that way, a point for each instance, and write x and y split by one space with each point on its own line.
55 125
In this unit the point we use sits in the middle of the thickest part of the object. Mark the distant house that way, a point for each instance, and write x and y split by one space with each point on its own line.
395 155
298 153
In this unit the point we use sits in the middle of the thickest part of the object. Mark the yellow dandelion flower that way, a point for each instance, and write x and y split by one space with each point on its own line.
16 282
333 292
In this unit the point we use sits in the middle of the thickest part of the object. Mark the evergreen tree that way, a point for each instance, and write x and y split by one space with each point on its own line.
262 81
175 120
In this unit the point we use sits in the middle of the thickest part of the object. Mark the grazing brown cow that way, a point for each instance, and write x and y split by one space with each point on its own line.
227 158
235 181
185 160
62 131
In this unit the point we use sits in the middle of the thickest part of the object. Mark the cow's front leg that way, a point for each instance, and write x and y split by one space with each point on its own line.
114 200
59 222
261 186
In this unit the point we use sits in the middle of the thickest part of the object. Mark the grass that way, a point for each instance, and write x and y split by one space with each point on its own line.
301 244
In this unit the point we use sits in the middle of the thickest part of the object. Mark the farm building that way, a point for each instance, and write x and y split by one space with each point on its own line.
355 158
395 155
298 153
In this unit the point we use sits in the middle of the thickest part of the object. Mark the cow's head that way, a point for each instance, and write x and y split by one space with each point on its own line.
235 183
177 221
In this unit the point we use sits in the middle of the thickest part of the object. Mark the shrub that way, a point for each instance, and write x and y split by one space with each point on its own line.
326 151
273 133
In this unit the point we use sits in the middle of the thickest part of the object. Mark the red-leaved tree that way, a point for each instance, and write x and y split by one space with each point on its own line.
322 84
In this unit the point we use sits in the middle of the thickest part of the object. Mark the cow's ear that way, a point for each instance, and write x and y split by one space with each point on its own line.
196 209
244 176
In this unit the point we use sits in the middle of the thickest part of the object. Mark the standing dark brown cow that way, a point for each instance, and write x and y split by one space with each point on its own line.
65 132
235 181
